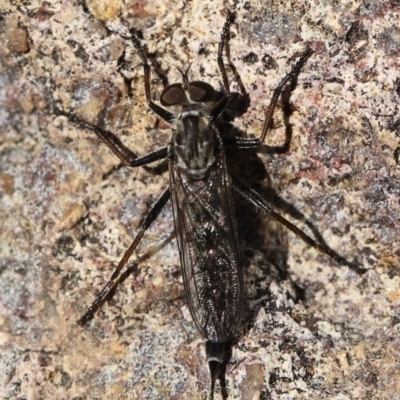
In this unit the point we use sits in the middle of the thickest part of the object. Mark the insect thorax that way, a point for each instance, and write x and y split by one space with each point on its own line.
194 143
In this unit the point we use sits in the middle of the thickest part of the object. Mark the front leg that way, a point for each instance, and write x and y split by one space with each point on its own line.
244 143
161 112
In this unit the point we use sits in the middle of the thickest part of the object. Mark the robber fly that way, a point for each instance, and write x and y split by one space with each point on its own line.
201 192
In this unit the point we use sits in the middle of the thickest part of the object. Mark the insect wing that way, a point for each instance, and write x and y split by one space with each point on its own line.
206 231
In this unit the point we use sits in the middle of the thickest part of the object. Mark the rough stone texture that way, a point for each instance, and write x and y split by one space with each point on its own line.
68 212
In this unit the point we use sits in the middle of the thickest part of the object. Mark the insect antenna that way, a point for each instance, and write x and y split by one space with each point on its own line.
185 74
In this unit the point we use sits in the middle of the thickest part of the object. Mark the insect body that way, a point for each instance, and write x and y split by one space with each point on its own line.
205 225
201 190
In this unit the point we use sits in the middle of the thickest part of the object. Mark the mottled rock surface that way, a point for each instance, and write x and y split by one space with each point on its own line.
68 210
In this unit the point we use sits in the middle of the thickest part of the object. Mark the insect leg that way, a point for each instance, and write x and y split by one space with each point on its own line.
113 282
161 112
224 44
128 157
234 104
244 143
253 197
219 108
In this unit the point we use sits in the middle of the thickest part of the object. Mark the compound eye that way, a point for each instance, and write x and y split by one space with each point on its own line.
172 95
201 92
